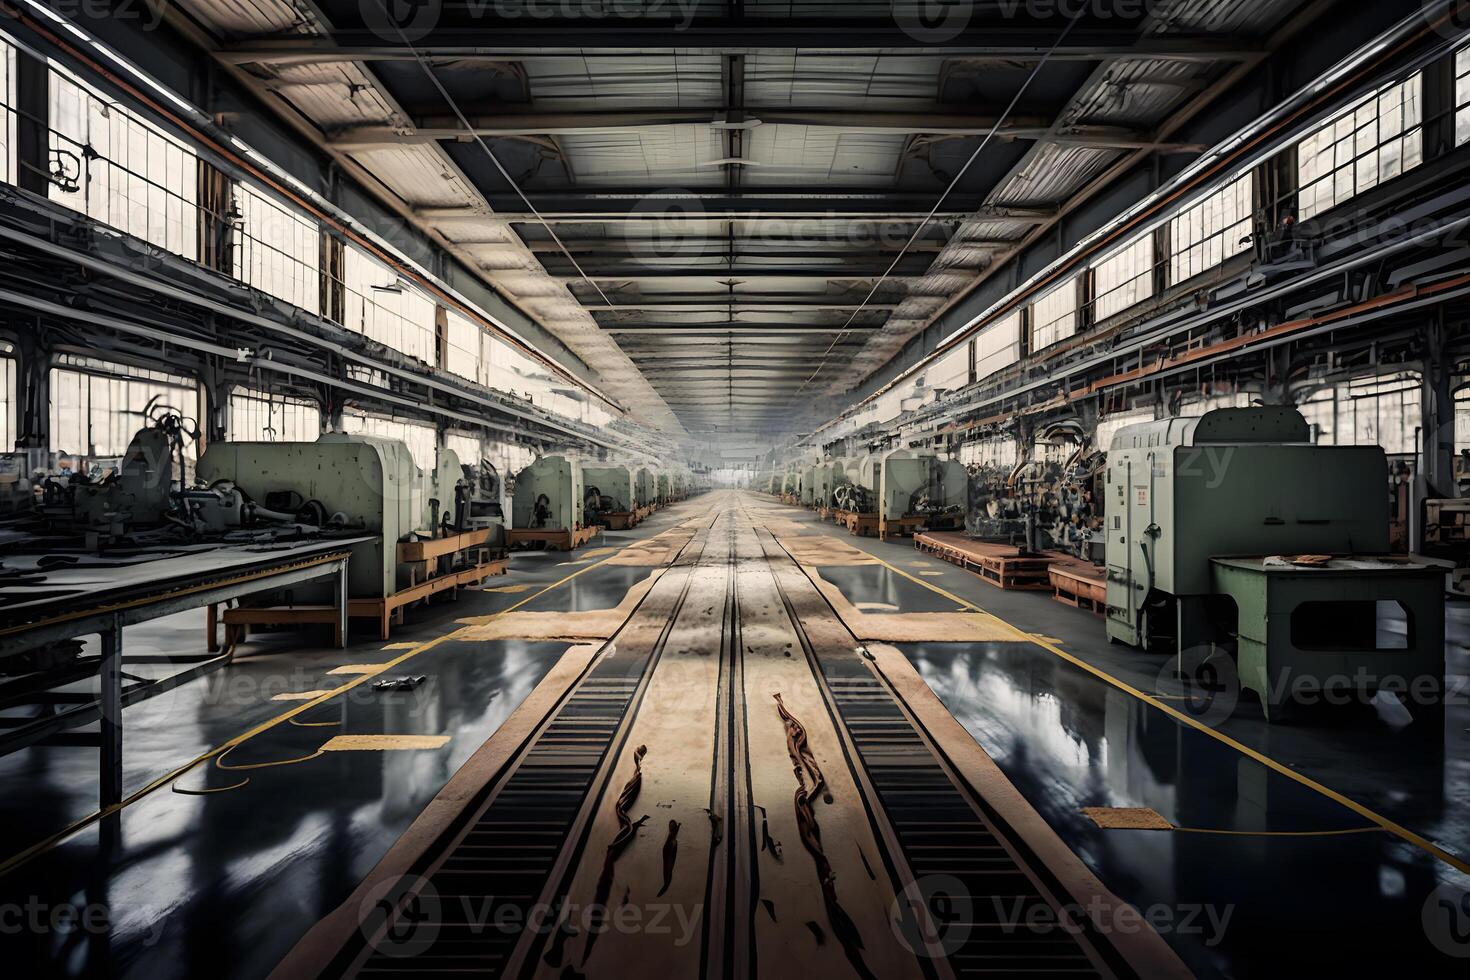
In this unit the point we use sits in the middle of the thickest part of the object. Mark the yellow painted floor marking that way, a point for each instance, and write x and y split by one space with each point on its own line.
383 743
1367 813
299 695
600 552
510 589
930 574
1145 818
1126 818
401 645
42 846
357 669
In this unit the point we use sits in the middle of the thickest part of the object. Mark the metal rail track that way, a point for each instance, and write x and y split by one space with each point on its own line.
516 850
507 861
978 883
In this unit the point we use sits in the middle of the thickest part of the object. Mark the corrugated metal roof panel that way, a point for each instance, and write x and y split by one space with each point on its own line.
419 175
245 18
793 154
333 95
660 79
652 154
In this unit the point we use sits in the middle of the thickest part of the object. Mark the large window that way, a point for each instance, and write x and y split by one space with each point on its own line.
96 407
993 452
951 371
1208 233
1124 278
1462 96
1109 425
120 169
1368 412
998 346
1054 316
1374 140
7 113
462 347
466 446
262 416
418 436
276 249
384 306
9 407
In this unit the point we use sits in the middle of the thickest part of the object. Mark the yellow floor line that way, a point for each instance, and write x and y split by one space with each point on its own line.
349 669
1383 822
383 743
300 695
42 846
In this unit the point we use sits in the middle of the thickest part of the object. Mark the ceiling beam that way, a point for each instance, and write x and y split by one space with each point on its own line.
725 303
721 330
740 247
744 273
433 128
507 38
636 206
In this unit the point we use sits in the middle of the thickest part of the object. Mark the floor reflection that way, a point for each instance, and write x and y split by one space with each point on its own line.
1068 740
226 882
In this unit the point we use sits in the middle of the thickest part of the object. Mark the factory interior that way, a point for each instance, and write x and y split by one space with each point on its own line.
601 489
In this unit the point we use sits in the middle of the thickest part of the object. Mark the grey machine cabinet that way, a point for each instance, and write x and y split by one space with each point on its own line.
1199 507
560 480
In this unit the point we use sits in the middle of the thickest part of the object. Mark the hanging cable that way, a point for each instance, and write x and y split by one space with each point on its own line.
954 182
480 140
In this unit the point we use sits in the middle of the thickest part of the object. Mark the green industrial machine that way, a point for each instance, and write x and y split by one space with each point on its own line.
646 487
1229 534
608 497
810 477
665 487
371 482
870 479
826 473
549 496
916 484
791 483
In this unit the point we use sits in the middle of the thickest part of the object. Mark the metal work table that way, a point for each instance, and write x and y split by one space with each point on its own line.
71 602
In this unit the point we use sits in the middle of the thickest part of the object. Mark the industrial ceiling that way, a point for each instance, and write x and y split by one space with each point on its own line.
735 212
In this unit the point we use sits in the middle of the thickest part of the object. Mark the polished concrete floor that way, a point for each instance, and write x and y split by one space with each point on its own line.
1280 865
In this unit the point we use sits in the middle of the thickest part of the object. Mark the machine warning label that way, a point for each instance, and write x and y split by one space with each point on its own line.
1142 496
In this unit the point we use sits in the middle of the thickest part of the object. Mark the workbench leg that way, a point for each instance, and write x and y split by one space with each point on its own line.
111 717
342 601
211 627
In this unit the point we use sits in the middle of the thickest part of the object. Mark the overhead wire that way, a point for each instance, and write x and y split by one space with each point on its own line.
480 141
954 182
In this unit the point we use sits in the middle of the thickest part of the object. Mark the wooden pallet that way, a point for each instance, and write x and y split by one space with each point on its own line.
387 611
900 528
553 539
620 520
642 514
1083 587
862 525
998 564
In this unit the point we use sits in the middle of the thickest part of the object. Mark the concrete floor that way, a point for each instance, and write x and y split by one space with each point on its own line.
1272 873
